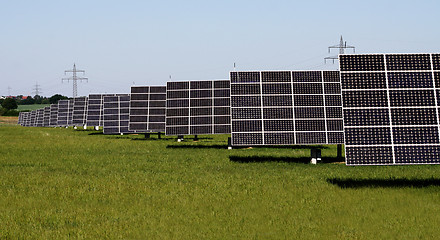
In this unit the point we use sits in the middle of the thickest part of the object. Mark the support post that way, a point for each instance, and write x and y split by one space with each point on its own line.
179 138
147 135
229 143
339 156
315 155
196 138
159 135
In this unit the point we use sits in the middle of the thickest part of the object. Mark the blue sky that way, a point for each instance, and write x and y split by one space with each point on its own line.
121 43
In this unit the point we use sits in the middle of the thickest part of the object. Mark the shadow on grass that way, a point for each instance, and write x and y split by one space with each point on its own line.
284 146
256 159
193 146
384 183
152 139
96 133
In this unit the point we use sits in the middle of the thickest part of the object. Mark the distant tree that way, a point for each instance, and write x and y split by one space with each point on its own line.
38 99
9 104
55 98
28 101
45 101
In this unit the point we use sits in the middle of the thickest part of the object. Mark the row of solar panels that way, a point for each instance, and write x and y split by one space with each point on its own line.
384 107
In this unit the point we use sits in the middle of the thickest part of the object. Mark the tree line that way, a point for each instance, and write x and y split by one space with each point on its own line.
9 105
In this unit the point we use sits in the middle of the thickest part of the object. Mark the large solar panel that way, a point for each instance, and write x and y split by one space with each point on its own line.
53 121
286 108
116 114
147 109
26 116
198 107
63 112
33 119
95 109
39 117
46 116
70 112
391 113
20 118
79 111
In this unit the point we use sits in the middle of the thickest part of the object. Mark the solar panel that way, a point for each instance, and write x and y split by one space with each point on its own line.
70 112
198 107
53 121
46 116
79 111
390 104
39 117
116 114
33 118
95 109
63 112
286 108
147 109
26 116
20 118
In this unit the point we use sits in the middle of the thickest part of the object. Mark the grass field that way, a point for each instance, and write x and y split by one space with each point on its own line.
31 107
58 183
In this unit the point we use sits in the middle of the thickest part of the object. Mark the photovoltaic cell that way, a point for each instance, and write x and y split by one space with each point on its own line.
80 111
286 108
95 109
40 118
390 104
147 109
53 121
63 113
116 114
46 117
201 107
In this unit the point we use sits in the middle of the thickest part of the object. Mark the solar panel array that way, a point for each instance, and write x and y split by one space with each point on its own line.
147 109
79 111
46 117
53 120
286 108
95 109
198 107
70 116
116 114
33 118
391 113
63 112
20 118
39 117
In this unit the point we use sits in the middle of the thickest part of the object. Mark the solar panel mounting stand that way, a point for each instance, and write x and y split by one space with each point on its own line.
339 150
147 135
196 138
179 138
316 155
229 143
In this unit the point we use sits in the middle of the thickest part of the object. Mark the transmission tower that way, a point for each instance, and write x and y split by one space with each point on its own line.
37 89
9 91
75 78
341 46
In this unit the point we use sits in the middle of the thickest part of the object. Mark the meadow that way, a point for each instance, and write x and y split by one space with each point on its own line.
31 107
58 183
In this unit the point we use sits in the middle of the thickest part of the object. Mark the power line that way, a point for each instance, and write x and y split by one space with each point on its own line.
37 89
341 46
74 79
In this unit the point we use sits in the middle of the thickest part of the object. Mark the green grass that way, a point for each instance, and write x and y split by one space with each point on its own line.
64 184
31 107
